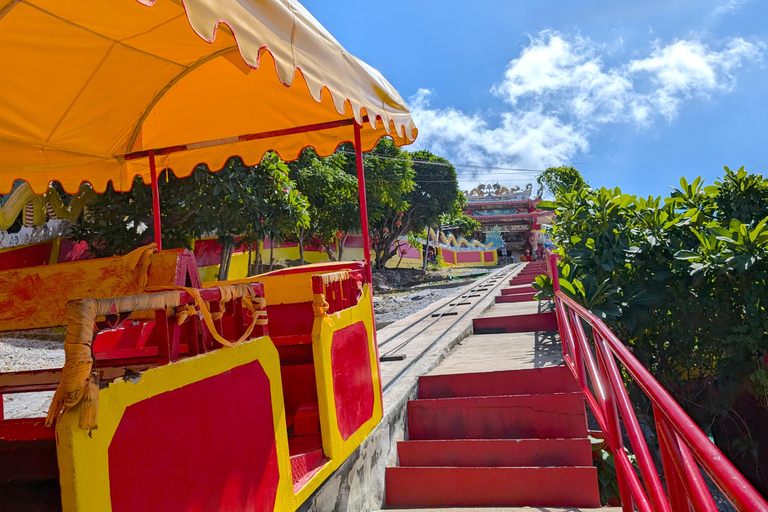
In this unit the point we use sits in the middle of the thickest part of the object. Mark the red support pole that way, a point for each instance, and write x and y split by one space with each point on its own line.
363 203
155 200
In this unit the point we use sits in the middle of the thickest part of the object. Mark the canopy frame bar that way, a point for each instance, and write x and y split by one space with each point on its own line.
242 138
150 153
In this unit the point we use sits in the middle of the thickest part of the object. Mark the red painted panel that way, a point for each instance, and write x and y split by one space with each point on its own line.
73 251
489 255
208 446
290 319
449 256
469 257
26 256
25 429
352 378
353 242
207 252
299 387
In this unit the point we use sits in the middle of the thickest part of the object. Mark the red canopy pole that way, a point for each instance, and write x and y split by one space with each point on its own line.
155 200
363 203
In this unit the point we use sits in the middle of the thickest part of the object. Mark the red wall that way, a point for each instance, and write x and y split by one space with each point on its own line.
469 257
206 446
26 256
352 378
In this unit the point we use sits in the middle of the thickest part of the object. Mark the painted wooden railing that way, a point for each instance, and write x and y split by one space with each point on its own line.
341 290
595 355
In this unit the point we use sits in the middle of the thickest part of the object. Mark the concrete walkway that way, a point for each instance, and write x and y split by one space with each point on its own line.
505 351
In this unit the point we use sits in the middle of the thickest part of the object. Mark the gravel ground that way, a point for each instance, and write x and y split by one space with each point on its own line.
391 307
17 354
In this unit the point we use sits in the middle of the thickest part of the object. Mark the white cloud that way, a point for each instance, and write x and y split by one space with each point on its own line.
529 139
729 6
686 69
559 92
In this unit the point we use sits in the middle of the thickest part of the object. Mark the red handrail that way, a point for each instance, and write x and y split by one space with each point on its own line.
684 447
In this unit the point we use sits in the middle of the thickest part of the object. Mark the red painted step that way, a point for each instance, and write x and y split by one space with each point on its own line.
305 464
492 487
515 281
516 290
515 323
520 297
495 453
555 379
543 416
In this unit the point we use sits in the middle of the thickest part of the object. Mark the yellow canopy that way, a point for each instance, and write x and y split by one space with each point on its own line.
85 82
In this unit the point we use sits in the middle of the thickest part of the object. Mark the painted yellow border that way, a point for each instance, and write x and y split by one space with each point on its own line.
335 448
83 455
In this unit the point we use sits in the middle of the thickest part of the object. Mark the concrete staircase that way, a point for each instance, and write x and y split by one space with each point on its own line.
509 438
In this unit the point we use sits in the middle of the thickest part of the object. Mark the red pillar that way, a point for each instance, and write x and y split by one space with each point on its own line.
363 203
155 200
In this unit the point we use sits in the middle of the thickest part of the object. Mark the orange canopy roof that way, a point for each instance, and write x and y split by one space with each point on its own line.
85 82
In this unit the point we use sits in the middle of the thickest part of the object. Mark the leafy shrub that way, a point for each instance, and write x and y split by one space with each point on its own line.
684 281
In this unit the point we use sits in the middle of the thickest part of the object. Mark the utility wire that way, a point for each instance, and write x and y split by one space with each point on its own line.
470 166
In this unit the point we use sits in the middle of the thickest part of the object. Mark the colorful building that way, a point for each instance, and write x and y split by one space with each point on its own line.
514 213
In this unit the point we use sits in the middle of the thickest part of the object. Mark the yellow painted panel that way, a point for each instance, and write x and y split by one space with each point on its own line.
336 448
83 454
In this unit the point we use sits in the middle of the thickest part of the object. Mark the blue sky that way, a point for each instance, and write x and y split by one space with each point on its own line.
634 94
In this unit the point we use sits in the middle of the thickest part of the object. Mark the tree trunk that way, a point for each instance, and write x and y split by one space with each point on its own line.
302 234
271 256
330 254
258 257
401 255
426 252
226 257
341 245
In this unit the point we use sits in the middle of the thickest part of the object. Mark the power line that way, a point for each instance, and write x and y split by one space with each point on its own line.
470 166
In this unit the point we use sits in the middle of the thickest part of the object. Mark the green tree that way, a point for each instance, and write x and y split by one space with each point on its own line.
684 281
332 197
465 226
118 222
277 208
240 205
389 178
555 178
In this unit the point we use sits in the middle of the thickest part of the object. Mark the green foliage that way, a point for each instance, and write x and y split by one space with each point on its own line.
556 178
684 281
237 201
331 193
437 189
405 192
119 222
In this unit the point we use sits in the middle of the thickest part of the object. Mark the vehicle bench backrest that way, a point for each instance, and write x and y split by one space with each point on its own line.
289 298
35 297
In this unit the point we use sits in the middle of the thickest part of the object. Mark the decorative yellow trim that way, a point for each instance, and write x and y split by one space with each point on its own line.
55 250
336 448
23 195
83 454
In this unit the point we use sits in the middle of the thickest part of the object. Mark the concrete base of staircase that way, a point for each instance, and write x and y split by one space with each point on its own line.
500 423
